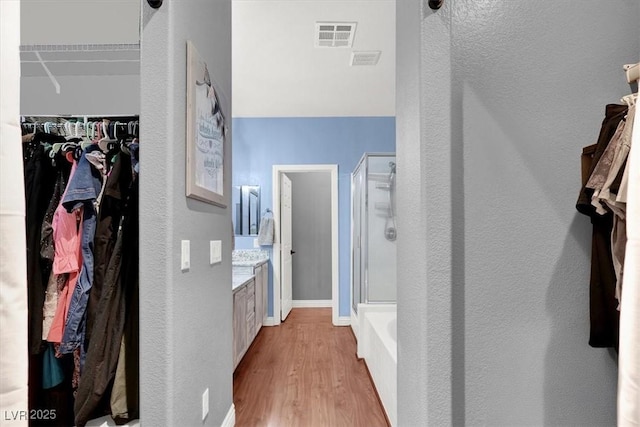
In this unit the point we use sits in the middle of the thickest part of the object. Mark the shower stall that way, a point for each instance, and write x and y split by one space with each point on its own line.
373 220
373 273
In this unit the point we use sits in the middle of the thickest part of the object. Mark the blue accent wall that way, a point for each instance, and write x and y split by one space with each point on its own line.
260 143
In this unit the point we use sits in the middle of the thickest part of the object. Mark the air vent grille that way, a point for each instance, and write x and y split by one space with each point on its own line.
334 34
365 57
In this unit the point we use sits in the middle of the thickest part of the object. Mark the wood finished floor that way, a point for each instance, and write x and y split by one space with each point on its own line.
305 373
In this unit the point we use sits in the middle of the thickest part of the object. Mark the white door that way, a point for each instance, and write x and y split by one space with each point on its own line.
286 290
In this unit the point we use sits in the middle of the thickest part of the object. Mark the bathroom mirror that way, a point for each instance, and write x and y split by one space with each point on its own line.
248 212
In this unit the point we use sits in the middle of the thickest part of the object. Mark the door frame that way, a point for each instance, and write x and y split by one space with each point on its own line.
278 170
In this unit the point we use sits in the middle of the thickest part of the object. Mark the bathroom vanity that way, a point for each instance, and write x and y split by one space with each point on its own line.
250 280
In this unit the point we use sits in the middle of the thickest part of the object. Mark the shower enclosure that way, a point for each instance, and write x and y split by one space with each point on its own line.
373 190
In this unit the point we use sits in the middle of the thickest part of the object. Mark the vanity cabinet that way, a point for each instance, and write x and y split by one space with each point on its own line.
239 324
261 274
249 308
251 312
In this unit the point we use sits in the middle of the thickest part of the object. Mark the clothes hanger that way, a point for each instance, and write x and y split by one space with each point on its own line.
103 143
55 148
69 146
115 130
630 99
86 140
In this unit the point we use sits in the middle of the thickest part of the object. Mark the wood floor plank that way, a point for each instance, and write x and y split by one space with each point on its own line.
304 373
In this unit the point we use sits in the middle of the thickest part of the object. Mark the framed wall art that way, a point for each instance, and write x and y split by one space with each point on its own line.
205 134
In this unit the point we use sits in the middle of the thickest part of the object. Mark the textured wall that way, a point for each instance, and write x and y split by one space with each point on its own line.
260 143
185 317
311 227
528 86
531 95
424 200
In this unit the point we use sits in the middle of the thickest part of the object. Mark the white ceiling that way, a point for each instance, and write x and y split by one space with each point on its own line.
277 71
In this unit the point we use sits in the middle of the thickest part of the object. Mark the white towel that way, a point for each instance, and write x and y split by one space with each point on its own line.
265 235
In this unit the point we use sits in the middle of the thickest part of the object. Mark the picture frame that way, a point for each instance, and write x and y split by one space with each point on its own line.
206 131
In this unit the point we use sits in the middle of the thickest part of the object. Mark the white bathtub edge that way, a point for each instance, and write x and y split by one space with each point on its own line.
361 336
379 349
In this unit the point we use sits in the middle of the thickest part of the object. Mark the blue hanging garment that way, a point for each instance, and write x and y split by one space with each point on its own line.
52 374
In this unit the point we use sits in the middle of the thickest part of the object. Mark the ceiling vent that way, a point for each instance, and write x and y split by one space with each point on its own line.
365 57
334 34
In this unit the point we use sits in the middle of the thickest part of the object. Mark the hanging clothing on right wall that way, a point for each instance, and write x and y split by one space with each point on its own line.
604 316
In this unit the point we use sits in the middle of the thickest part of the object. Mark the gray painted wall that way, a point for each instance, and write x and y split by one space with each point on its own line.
496 109
185 317
424 257
311 228
100 95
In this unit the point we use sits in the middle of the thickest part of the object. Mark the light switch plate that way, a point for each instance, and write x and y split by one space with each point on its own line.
215 251
185 256
205 404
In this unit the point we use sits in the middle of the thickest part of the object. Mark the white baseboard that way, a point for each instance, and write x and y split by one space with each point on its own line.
312 303
271 321
354 324
230 419
343 321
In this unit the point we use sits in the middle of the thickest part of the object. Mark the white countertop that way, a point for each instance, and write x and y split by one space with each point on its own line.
240 280
249 263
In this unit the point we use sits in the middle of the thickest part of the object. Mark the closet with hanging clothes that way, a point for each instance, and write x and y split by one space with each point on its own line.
609 184
603 197
81 194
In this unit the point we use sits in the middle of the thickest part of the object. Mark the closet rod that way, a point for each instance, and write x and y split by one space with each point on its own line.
80 116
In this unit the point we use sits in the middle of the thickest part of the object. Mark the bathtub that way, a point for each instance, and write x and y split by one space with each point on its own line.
377 345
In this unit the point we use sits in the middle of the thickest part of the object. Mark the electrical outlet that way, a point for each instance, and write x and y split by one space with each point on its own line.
205 404
185 256
256 244
215 251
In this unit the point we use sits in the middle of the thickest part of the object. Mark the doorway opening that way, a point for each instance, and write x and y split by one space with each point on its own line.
283 251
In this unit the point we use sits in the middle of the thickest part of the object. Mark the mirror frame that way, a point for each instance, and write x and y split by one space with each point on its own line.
246 206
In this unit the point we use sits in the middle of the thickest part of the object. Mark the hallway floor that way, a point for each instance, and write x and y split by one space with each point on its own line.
305 373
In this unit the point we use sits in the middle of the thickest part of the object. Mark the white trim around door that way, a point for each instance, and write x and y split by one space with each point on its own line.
335 279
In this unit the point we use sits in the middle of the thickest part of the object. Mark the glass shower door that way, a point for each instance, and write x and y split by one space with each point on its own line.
374 230
381 229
